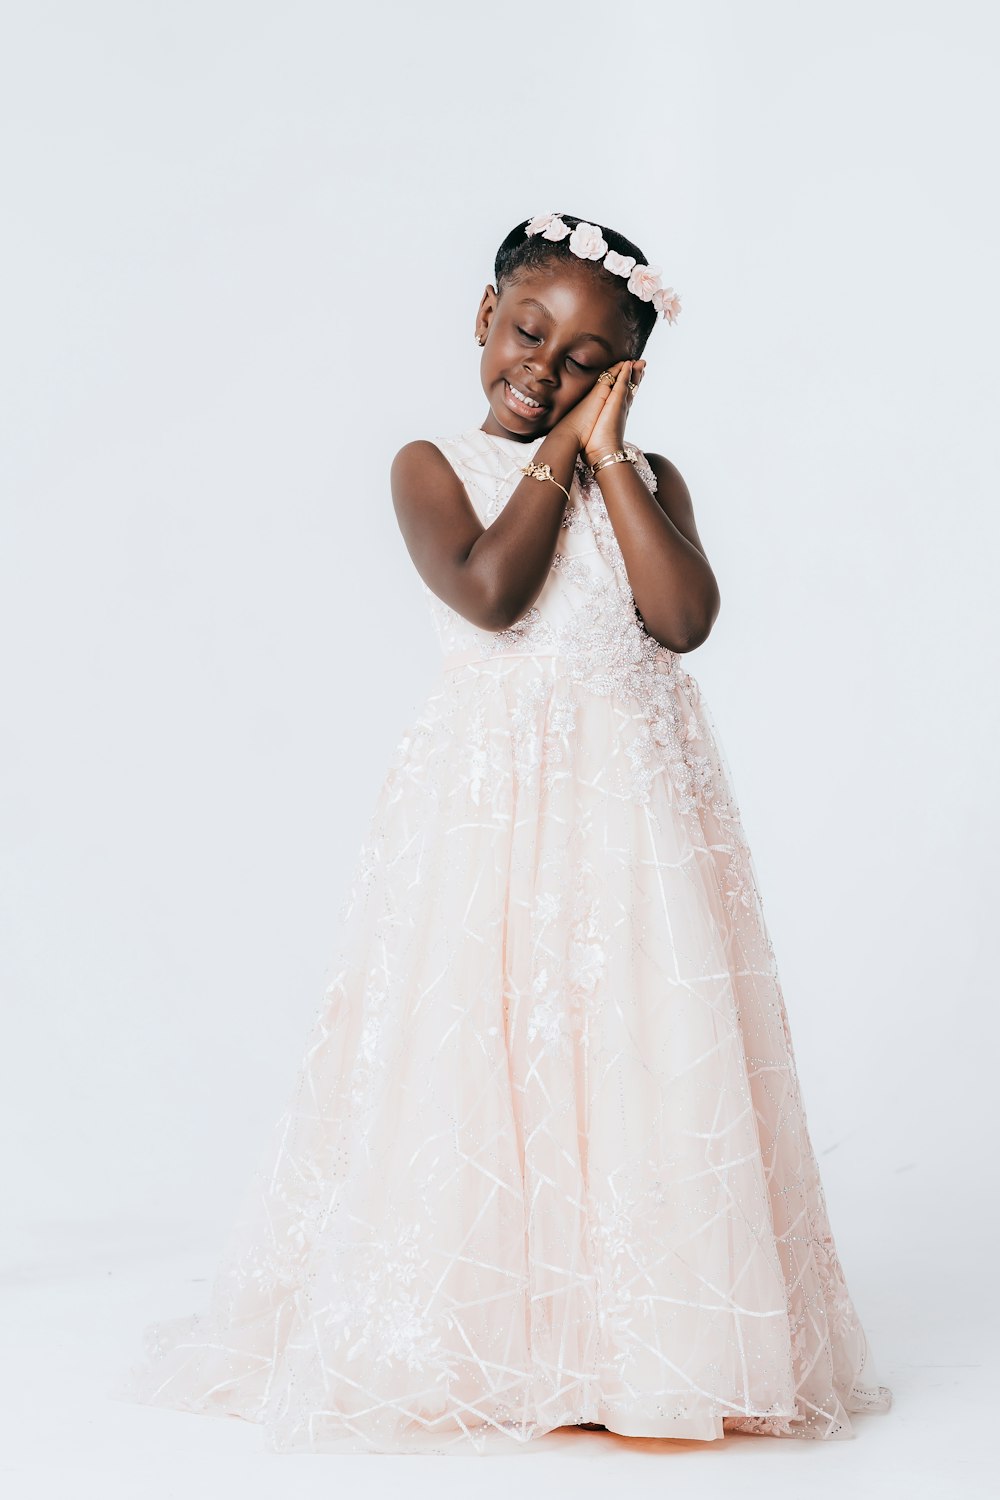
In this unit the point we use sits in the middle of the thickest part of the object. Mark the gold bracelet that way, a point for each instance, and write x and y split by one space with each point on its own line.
542 471
621 455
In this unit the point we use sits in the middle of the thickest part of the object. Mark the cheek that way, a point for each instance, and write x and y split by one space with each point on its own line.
505 350
580 385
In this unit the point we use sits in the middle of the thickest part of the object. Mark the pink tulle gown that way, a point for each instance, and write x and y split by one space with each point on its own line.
546 1160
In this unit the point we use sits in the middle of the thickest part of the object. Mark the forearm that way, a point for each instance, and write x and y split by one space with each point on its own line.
512 558
674 587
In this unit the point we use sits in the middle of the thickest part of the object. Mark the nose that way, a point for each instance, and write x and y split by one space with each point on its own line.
540 368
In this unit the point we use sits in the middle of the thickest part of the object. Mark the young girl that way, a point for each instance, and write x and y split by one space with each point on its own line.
546 1163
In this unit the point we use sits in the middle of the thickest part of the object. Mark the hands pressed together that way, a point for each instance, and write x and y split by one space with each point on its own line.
598 420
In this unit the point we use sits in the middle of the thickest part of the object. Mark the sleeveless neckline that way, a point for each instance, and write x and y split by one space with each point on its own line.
515 442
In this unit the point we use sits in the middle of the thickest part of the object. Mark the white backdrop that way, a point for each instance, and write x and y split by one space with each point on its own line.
242 248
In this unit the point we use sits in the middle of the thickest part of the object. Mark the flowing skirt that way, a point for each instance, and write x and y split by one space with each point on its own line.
546 1159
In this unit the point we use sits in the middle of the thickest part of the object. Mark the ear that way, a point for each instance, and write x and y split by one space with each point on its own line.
487 303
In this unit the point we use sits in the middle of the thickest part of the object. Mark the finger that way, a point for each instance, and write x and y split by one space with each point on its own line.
620 391
605 389
625 381
601 388
612 370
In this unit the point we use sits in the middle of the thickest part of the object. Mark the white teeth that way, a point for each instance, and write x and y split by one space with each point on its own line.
522 397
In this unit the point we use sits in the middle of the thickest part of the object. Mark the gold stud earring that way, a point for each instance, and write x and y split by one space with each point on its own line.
479 339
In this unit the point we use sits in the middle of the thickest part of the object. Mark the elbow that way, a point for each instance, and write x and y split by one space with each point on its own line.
687 634
699 627
695 636
497 618
680 641
500 608
691 640
696 633
495 611
486 603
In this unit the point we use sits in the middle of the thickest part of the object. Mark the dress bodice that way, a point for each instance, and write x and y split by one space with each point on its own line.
585 610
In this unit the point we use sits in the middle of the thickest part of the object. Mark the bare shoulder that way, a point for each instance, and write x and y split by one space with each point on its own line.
437 519
415 464
674 498
420 450
426 490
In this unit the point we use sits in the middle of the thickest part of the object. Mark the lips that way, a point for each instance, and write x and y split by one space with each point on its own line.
512 396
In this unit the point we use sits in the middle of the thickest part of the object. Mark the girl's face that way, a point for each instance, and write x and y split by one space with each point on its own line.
548 337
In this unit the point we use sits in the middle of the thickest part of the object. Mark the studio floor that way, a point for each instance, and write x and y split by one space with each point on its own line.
74 1303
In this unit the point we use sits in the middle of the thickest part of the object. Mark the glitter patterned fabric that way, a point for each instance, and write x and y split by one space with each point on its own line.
546 1159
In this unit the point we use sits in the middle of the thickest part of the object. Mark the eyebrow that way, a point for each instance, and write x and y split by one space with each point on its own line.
533 302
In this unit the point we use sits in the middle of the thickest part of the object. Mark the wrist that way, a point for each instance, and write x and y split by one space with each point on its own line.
602 462
561 443
602 450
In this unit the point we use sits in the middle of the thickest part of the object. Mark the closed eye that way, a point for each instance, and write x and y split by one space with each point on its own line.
569 358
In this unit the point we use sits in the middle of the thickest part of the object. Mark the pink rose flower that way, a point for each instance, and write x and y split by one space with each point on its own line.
620 265
587 242
549 226
645 282
667 302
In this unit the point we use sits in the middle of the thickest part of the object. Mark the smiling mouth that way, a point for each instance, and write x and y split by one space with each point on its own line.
521 402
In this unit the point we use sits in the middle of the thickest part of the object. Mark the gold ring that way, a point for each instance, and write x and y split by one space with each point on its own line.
607 377
633 385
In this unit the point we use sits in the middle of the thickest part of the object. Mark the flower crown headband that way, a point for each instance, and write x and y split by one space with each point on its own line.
588 243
